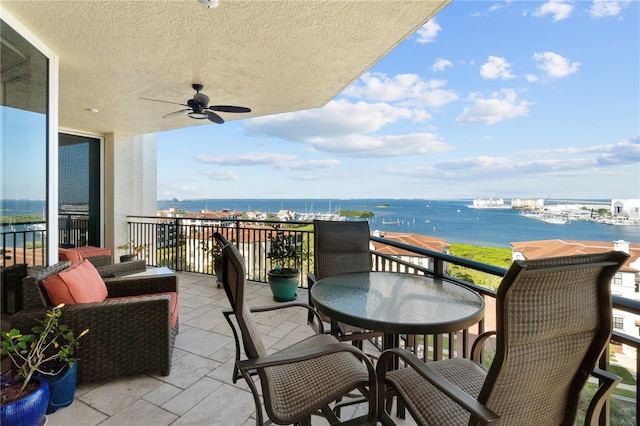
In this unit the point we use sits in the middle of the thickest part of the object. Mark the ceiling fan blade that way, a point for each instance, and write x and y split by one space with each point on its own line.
180 111
166 102
229 108
215 117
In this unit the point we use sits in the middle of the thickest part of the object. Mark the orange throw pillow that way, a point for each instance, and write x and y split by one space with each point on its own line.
73 256
80 283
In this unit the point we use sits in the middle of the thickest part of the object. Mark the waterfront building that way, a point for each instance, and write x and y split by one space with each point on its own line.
489 203
527 203
625 211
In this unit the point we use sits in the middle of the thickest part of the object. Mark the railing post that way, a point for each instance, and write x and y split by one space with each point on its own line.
438 267
176 223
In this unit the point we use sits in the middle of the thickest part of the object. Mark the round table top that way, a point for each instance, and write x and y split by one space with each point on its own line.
398 303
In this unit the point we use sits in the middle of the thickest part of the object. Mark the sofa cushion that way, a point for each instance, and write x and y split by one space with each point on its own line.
91 251
73 256
173 304
81 283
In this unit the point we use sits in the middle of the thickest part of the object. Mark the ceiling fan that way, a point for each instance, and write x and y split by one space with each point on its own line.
199 109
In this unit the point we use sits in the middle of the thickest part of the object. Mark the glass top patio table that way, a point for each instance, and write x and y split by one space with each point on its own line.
396 303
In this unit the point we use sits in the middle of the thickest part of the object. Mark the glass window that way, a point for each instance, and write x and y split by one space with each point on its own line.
617 278
618 323
23 152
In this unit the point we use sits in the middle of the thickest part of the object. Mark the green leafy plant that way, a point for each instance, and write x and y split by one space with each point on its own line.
212 249
283 252
50 346
133 249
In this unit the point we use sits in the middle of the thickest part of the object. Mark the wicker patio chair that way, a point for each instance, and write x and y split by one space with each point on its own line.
303 379
554 321
130 332
341 247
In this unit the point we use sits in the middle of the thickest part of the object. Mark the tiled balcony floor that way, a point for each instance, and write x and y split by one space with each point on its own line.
199 390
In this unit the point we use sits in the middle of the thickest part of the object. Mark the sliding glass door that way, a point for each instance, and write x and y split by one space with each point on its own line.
79 190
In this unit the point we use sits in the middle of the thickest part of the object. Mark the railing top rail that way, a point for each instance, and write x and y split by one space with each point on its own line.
483 267
217 219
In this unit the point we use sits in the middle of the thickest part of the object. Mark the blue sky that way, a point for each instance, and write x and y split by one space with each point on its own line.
488 99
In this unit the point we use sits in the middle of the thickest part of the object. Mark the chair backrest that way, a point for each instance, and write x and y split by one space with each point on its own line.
341 247
554 321
233 281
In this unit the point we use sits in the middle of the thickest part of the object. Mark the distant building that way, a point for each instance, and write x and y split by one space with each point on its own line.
625 283
489 203
527 203
429 243
626 209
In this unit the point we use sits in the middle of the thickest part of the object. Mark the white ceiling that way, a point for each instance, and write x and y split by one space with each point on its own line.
270 56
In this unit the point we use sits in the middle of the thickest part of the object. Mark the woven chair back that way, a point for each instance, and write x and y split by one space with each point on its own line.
553 323
341 247
233 281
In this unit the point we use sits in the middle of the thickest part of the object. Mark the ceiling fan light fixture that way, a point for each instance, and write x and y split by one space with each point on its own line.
198 115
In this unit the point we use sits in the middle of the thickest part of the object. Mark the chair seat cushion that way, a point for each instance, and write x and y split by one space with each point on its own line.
421 396
173 304
295 385
81 283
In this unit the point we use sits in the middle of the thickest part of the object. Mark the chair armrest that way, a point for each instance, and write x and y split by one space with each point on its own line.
110 270
312 312
129 286
609 381
477 347
293 357
101 317
463 399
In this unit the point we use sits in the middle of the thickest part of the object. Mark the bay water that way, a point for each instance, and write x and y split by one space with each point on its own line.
451 220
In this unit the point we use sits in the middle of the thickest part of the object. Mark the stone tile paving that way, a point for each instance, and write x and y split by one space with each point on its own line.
199 390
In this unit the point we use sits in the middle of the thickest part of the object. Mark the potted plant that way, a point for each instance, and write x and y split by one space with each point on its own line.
284 275
133 251
215 252
44 367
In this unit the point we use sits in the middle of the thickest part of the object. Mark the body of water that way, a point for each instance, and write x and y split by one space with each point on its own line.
451 220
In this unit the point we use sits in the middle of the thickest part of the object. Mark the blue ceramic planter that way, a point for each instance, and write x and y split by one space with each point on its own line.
284 286
62 388
28 411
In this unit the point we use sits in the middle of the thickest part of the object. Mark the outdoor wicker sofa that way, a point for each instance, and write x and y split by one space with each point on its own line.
130 332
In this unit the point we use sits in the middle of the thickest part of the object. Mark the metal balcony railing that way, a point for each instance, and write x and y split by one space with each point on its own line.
183 245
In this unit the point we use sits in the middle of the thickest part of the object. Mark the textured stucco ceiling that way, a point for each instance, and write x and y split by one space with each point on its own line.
272 56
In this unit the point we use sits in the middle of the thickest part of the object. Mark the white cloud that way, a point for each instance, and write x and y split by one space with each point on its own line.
309 165
428 32
587 161
246 159
496 68
602 8
499 106
531 78
441 64
336 119
403 89
343 128
367 146
221 175
554 65
558 8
